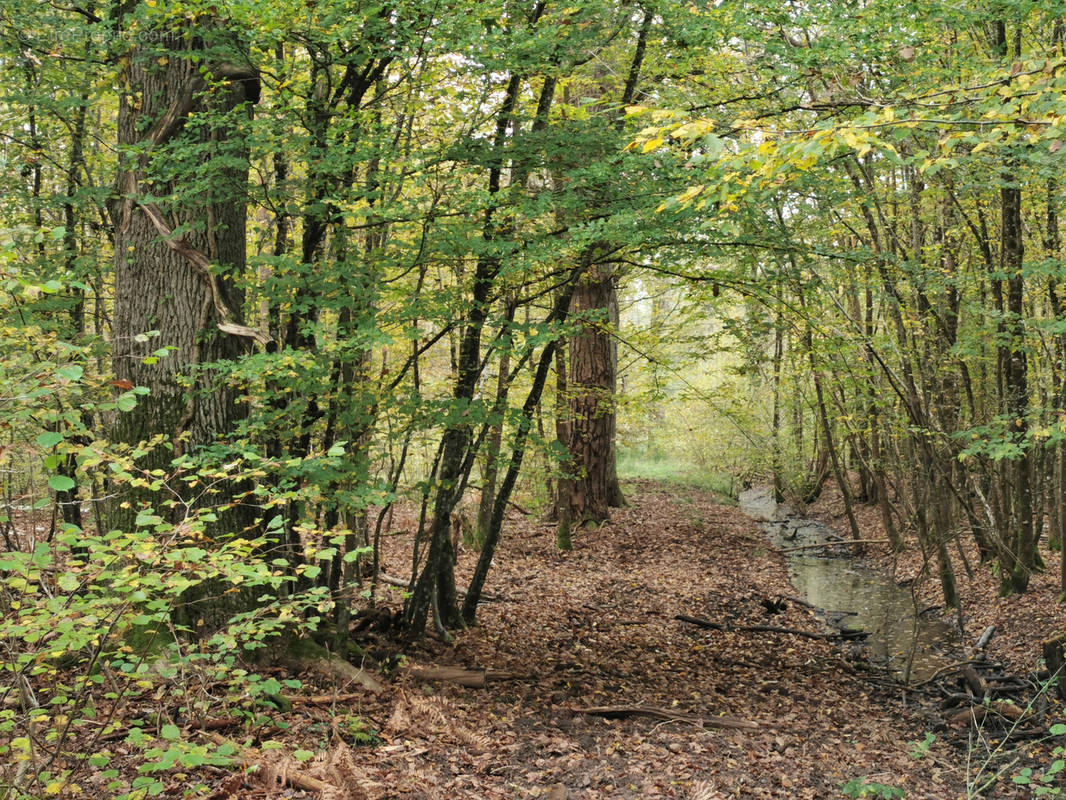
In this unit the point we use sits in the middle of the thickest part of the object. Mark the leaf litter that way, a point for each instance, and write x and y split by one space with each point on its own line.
595 628
579 682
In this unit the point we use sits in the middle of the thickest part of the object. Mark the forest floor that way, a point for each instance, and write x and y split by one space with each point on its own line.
701 714
595 628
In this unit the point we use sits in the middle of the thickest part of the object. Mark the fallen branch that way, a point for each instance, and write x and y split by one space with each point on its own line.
830 544
719 626
393 581
338 669
221 723
977 714
389 579
942 672
617 712
323 699
471 678
985 637
266 765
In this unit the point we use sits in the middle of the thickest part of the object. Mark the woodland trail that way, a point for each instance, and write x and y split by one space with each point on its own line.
596 627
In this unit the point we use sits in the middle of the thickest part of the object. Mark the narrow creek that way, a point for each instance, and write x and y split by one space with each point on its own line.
852 594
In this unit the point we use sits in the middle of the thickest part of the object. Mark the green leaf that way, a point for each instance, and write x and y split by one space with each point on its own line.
71 372
49 439
171 732
61 483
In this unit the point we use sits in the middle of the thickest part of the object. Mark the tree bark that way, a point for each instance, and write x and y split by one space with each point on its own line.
591 400
184 286
179 264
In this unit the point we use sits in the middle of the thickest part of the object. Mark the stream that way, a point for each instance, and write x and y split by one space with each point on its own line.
852 594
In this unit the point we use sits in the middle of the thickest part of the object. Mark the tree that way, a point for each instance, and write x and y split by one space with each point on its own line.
179 231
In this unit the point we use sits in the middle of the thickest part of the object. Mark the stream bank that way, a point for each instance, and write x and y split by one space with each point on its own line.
901 636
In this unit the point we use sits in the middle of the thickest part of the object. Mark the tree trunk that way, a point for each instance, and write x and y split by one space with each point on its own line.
185 287
182 291
491 468
615 498
563 538
591 400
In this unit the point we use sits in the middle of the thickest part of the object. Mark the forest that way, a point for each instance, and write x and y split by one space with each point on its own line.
381 383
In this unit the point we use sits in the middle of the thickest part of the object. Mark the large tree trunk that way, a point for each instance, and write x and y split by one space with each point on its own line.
180 291
591 400
183 286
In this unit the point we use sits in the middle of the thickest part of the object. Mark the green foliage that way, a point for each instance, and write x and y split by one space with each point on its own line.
920 749
418 191
1048 781
667 468
859 787
89 621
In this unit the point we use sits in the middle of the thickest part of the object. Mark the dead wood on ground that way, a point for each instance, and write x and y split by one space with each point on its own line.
471 678
721 626
617 712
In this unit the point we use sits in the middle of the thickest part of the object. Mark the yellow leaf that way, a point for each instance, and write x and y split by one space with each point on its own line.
652 144
693 130
690 193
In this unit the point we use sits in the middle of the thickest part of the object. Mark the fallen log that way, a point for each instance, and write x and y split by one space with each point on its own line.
977 714
797 548
471 678
720 626
338 669
817 609
665 714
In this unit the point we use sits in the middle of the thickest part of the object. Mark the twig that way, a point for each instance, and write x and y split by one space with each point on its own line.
669 716
719 626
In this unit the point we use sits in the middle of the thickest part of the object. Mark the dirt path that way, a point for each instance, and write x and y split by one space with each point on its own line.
596 627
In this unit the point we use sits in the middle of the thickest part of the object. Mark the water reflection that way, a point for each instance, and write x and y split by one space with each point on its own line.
860 597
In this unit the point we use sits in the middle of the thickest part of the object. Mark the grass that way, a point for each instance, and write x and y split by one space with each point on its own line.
633 465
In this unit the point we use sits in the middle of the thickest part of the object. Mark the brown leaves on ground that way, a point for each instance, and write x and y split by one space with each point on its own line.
595 627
